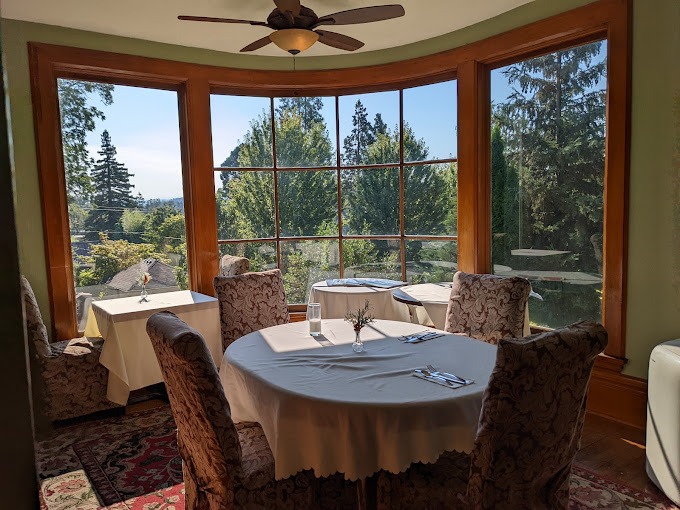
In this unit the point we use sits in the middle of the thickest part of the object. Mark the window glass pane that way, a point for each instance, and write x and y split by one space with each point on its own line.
305 131
241 131
369 128
430 122
123 168
547 155
305 262
367 258
245 204
371 201
262 256
308 202
431 261
430 199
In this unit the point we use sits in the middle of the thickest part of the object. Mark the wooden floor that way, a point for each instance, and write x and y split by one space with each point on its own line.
615 451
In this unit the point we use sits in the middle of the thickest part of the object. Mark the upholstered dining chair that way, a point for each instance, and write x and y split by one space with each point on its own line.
249 302
73 381
230 265
528 434
225 465
487 307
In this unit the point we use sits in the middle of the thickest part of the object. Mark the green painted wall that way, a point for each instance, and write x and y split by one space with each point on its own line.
654 254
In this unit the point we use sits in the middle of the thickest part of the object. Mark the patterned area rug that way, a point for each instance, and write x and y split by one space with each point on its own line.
131 463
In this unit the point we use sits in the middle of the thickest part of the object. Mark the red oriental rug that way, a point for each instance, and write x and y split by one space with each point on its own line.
132 463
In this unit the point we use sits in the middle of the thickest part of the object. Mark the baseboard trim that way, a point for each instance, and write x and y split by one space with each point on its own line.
618 397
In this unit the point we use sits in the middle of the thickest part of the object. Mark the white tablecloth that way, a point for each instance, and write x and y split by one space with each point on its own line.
324 407
337 301
127 351
435 300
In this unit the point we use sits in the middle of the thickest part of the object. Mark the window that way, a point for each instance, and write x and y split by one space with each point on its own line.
547 179
124 190
373 198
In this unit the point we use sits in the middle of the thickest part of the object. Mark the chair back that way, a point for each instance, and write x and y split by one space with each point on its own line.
35 327
250 302
231 265
532 418
487 307
206 436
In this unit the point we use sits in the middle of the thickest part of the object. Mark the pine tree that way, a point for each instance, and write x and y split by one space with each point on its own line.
112 192
356 144
77 119
554 123
379 127
307 108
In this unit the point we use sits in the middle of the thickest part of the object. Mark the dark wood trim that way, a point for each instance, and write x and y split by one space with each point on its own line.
199 188
474 176
617 164
618 397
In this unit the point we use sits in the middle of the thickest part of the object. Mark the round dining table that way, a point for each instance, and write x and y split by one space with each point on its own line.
324 407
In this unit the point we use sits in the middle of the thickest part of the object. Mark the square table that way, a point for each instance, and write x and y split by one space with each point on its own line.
127 352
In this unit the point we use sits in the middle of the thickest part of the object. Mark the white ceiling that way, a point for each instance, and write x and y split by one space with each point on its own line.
156 20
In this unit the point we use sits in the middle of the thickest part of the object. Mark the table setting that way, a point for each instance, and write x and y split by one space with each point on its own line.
407 396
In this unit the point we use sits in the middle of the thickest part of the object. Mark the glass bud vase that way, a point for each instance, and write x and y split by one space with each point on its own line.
144 296
357 345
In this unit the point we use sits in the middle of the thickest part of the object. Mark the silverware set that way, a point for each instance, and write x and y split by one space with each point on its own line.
421 337
443 378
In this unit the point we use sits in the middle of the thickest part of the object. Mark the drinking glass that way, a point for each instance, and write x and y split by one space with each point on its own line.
314 318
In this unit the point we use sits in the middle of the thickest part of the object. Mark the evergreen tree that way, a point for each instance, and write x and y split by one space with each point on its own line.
554 123
78 118
112 192
307 108
379 126
372 198
356 144
230 162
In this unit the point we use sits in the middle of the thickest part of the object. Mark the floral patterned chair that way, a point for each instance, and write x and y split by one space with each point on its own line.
487 307
529 431
250 302
225 465
73 381
231 265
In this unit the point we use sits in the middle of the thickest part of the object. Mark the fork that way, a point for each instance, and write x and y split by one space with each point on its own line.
457 379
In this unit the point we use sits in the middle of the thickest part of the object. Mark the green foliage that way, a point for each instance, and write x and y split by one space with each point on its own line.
553 124
361 137
109 257
295 275
112 191
77 119
181 271
133 222
164 228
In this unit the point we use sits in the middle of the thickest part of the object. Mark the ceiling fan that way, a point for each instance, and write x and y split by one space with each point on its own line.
295 25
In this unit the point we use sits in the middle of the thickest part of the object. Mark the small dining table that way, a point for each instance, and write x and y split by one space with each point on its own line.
337 300
324 407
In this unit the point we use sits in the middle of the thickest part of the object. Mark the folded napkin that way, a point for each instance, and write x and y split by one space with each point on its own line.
423 336
364 282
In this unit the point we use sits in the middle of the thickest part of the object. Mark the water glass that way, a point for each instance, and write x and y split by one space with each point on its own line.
314 318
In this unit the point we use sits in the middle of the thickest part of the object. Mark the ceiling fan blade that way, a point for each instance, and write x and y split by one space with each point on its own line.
339 41
260 43
292 6
221 20
362 15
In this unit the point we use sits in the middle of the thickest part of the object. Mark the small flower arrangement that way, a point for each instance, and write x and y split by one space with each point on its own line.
361 317
144 280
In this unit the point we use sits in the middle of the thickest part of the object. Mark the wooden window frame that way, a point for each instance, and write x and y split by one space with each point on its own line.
469 64
339 167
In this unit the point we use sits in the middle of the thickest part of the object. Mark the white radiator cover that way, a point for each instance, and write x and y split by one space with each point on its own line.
663 419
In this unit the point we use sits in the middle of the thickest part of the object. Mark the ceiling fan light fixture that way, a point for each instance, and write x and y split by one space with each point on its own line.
294 40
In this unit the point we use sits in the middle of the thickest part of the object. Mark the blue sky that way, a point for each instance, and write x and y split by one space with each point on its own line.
144 126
